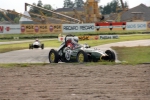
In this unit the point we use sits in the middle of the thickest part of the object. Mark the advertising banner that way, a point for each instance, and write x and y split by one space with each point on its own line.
28 28
12 29
108 37
148 25
1 29
55 28
41 28
136 26
88 27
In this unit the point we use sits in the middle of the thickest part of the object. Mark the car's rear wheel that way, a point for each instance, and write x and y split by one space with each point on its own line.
82 57
111 55
30 46
53 56
42 46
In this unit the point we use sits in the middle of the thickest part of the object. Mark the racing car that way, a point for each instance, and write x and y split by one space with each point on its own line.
36 44
78 52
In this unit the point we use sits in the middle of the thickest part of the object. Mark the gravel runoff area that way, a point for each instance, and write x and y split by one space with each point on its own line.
75 82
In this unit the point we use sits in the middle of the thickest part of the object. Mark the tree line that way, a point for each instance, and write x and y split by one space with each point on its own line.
106 9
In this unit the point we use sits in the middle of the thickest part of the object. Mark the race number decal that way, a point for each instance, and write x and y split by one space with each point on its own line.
68 55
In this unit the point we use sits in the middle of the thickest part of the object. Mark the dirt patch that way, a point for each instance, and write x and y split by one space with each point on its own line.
75 82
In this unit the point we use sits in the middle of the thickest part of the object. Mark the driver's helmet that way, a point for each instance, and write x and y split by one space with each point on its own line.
75 40
37 40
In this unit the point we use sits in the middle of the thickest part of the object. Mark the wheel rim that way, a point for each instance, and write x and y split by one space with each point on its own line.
52 57
81 58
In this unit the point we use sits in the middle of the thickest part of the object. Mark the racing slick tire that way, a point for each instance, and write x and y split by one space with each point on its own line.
82 57
42 46
30 46
111 55
53 56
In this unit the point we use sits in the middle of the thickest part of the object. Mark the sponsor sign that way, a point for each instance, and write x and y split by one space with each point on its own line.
148 25
136 26
12 29
94 37
1 28
28 28
61 38
55 28
108 36
41 28
89 27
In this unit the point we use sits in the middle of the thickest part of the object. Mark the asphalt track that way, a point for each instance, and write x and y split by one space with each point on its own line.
41 56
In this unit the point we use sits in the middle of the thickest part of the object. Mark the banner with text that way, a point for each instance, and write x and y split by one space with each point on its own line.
148 25
88 27
41 28
136 26
108 37
10 29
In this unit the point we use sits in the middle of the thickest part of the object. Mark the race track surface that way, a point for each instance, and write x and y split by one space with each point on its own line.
41 56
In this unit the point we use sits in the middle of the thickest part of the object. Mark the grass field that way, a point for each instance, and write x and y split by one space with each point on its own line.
133 55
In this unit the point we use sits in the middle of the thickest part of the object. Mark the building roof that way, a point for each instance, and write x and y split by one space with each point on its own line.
68 9
138 9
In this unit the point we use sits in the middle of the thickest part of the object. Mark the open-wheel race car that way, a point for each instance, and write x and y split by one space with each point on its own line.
71 51
36 44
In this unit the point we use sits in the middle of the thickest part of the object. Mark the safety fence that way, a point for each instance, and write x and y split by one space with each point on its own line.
72 28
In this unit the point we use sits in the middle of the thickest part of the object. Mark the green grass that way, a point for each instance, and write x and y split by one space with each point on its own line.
133 55
10 65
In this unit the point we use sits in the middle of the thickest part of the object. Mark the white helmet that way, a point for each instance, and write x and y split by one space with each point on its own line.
75 40
37 39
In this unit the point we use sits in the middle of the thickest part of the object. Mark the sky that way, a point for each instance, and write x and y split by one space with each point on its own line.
18 5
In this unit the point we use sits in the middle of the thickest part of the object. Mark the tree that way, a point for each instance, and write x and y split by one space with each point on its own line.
48 7
68 4
11 16
78 3
126 4
2 19
33 9
16 20
40 4
111 7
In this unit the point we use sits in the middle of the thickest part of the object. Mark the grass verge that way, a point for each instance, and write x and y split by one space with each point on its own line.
133 55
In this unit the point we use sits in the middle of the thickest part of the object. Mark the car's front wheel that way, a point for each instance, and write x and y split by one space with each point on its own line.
53 56
111 55
82 57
